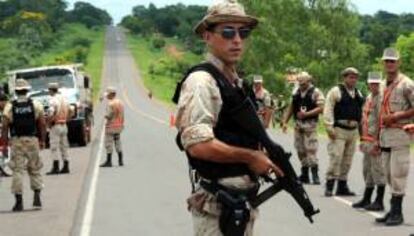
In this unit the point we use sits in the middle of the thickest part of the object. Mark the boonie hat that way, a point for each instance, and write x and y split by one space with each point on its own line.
374 77
110 90
303 77
349 70
225 11
257 79
22 84
390 54
53 85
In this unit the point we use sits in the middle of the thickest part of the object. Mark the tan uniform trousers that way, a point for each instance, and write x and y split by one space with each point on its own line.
25 156
341 152
306 144
111 138
396 167
373 170
58 135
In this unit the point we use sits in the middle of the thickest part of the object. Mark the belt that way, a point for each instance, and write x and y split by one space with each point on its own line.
385 149
345 126
213 187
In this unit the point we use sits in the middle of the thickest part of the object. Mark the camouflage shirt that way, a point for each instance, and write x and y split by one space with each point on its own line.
200 104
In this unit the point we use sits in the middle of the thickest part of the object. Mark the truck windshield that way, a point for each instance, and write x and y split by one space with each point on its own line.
41 81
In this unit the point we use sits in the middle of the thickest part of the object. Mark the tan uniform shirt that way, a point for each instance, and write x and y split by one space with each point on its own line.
111 116
370 122
319 99
57 104
8 109
401 99
334 96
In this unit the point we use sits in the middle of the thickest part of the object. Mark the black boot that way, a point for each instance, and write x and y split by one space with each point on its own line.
343 189
384 218
18 206
366 199
37 203
315 176
120 159
108 162
304 176
329 187
65 169
378 204
55 168
395 217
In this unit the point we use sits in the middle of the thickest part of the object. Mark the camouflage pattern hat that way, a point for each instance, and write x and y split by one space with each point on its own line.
303 77
53 85
110 90
257 79
374 77
22 84
390 54
222 12
349 70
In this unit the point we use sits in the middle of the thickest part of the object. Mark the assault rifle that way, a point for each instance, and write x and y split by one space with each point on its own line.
245 116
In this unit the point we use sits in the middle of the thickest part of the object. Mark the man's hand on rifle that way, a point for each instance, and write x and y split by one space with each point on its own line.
262 165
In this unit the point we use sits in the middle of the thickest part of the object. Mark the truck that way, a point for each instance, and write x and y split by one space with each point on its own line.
74 85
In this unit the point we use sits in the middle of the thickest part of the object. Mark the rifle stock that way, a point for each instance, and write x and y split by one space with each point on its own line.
245 116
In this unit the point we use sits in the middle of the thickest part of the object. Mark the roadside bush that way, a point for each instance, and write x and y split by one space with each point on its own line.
158 42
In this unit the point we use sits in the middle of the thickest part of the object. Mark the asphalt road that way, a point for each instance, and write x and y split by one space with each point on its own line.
147 196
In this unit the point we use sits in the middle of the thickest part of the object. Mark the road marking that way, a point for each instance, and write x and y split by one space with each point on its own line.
349 203
90 202
135 109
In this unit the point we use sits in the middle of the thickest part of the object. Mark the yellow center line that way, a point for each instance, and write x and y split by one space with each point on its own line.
135 109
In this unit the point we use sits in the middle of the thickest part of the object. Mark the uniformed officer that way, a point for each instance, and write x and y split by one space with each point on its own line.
373 170
306 105
342 115
114 125
58 114
397 110
3 159
25 120
221 153
263 100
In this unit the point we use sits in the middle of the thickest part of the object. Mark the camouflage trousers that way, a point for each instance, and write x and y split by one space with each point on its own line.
58 135
341 152
206 210
306 144
112 138
396 167
372 167
25 156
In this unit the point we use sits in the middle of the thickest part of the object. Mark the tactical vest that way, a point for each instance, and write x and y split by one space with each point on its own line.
225 130
298 102
348 108
24 121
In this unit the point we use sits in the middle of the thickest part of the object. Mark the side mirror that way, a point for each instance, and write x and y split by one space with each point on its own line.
6 88
86 82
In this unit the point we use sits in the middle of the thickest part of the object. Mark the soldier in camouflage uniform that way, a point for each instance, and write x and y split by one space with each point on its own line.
306 105
58 114
397 110
373 170
342 115
25 120
221 153
113 128
263 100
3 158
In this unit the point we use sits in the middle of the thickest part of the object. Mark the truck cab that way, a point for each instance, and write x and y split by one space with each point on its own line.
73 85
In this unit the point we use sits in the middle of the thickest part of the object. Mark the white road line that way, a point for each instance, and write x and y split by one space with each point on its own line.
349 203
90 203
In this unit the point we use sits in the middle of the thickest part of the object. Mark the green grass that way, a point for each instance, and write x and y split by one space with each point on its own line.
161 86
94 62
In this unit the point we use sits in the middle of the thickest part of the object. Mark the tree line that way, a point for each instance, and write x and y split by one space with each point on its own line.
29 27
320 36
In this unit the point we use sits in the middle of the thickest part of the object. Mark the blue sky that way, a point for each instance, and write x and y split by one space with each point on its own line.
120 8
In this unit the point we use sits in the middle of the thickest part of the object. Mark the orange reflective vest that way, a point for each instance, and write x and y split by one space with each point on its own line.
62 111
117 120
385 106
369 105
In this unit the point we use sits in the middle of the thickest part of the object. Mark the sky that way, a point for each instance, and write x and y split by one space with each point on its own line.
120 8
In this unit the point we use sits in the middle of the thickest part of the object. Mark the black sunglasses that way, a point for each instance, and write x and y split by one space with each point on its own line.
390 61
230 32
